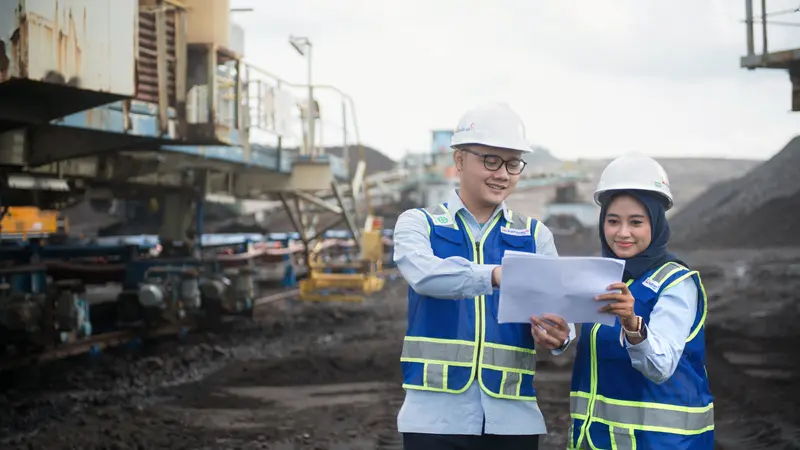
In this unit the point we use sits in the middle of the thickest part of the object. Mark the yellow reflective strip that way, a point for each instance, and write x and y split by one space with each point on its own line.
577 412
483 308
434 376
429 389
428 224
510 347
439 340
435 361
424 373
654 429
476 342
579 404
657 273
507 369
593 386
589 440
510 383
509 359
447 211
626 440
669 274
664 419
535 231
702 321
653 405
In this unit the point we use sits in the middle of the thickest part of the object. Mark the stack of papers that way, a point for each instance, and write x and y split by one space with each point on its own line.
533 285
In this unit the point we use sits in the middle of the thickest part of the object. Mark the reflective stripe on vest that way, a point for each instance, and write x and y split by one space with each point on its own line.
462 353
643 415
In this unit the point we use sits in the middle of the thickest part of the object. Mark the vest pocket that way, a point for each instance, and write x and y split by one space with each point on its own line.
511 383
450 234
517 242
622 438
434 376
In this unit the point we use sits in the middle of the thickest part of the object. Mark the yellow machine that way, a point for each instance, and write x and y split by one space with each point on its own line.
326 283
25 222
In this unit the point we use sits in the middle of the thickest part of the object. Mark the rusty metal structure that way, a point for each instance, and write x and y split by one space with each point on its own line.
116 98
148 96
769 58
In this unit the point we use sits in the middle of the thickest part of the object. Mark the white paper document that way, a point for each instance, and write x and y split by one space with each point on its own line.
533 285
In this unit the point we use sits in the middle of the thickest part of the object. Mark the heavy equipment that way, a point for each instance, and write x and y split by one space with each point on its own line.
353 278
25 222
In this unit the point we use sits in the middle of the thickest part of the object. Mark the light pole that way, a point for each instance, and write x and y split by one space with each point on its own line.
303 46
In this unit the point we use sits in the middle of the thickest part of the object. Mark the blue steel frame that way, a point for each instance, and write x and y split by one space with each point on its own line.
143 123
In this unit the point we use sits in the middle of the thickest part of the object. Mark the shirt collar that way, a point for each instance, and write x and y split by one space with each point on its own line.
454 205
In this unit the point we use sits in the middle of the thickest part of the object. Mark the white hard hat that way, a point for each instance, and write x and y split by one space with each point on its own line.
634 172
494 125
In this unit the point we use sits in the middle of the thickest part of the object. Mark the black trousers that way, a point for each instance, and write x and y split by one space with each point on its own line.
418 441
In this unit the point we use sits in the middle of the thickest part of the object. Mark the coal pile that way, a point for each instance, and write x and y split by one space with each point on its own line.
760 209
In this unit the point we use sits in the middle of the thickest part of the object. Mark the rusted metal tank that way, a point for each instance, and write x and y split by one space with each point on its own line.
59 57
88 44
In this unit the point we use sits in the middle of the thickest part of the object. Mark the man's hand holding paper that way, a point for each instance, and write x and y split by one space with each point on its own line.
535 285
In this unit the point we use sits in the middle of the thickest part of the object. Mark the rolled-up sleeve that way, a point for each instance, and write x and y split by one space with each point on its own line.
427 274
670 324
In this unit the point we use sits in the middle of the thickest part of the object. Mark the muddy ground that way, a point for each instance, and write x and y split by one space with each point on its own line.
327 376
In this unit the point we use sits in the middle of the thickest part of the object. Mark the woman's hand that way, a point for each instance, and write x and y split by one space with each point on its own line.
621 304
549 331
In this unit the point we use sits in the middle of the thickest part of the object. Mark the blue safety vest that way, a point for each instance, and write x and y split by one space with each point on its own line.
450 343
614 406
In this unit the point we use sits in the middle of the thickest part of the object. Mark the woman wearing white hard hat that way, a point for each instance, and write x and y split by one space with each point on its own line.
469 379
641 383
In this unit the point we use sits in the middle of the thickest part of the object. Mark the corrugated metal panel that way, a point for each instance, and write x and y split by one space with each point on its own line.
147 58
85 43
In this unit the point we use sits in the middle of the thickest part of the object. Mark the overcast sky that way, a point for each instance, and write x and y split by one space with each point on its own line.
590 78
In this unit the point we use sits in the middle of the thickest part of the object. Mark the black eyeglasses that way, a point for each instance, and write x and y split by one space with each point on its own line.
494 162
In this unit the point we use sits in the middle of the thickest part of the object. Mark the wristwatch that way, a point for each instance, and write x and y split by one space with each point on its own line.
639 332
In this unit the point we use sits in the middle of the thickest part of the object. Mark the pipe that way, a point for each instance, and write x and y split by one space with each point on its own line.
751 47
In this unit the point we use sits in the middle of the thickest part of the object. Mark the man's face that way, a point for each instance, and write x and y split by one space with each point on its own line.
489 174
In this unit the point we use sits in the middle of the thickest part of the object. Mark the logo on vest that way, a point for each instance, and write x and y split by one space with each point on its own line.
515 231
652 284
442 220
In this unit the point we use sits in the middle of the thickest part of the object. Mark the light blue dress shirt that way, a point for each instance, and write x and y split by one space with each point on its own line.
670 325
456 278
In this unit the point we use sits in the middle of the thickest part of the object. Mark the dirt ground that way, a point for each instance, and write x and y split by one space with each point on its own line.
327 376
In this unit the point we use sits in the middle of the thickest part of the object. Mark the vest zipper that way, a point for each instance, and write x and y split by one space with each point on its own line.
479 330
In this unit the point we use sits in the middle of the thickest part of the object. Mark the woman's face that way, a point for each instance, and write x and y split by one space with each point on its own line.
627 227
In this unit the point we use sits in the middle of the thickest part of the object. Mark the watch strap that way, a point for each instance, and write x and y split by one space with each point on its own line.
638 331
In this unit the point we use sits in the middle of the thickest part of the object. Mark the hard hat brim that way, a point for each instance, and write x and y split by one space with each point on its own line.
458 140
601 196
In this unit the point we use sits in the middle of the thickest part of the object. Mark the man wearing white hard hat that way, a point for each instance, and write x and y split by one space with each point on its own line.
469 380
